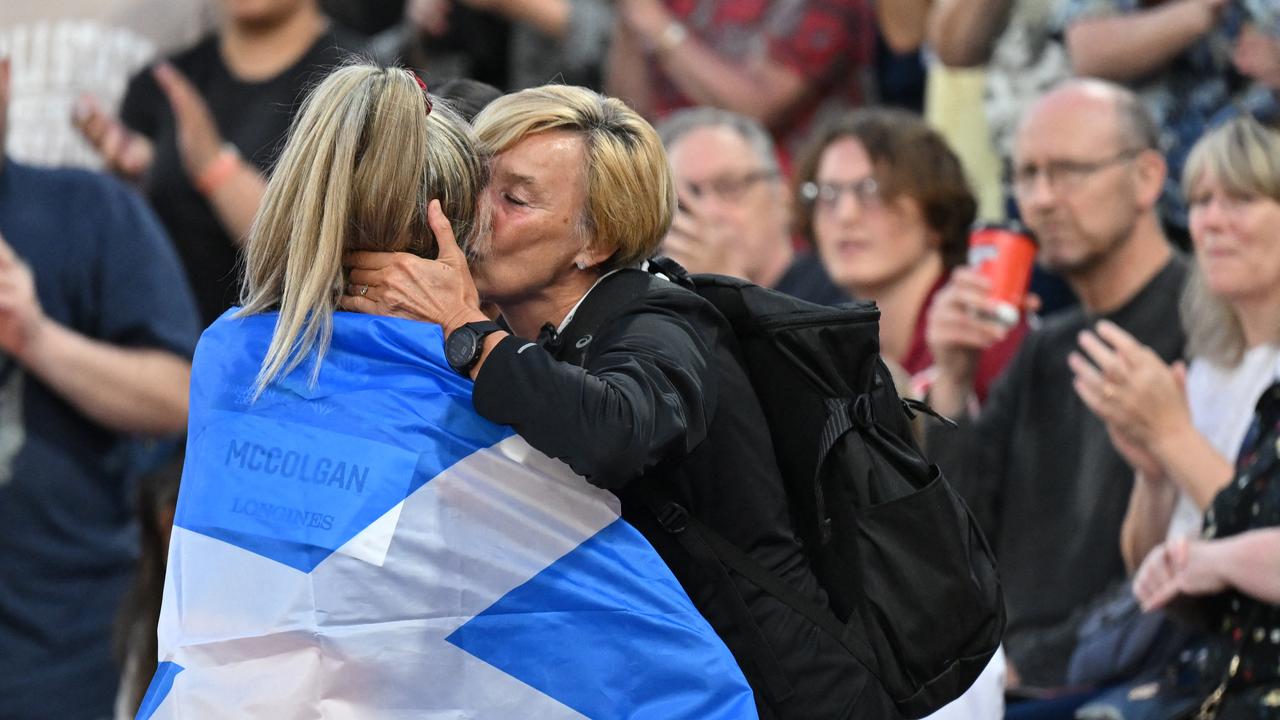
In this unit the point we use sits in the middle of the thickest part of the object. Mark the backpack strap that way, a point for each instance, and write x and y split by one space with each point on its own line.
707 547
711 548
700 543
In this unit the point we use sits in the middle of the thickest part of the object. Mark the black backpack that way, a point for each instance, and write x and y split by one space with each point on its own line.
914 593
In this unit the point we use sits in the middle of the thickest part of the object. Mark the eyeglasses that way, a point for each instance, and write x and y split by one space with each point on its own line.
1065 175
826 196
729 188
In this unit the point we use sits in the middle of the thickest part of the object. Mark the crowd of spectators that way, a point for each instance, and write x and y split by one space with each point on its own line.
835 150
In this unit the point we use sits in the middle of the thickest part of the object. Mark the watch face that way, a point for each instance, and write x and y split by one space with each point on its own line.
460 349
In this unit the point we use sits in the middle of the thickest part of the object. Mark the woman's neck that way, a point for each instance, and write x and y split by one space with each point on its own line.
1259 319
257 52
900 301
527 316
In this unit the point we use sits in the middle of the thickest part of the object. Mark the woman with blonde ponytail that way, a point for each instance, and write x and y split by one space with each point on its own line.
352 540
366 155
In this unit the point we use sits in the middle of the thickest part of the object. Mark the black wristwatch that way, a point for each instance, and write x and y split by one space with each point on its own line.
463 347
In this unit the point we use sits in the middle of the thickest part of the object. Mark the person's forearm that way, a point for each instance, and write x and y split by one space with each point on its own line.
1250 562
1128 47
549 17
1193 464
902 23
963 32
626 73
236 201
1146 522
126 390
949 397
766 93
609 427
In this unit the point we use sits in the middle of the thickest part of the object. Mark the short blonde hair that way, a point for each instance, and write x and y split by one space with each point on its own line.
362 161
1243 156
630 193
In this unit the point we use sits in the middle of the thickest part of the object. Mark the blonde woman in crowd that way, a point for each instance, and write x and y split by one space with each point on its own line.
1180 428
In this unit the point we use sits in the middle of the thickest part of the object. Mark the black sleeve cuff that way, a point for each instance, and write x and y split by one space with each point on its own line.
492 392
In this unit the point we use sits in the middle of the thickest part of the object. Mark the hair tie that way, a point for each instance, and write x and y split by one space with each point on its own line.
422 85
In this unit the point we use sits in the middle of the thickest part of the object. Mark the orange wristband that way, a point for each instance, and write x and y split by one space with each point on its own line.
217 172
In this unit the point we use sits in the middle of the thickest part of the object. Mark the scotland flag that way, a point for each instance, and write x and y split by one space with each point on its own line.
371 548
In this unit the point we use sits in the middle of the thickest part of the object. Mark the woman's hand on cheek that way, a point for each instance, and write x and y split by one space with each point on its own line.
402 285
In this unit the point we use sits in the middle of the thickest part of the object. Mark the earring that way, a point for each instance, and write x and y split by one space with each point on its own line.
580 264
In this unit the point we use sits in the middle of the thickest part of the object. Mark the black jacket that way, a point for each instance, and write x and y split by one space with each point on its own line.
661 398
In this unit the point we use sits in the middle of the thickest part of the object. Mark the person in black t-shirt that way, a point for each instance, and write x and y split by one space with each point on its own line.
1035 465
97 328
200 131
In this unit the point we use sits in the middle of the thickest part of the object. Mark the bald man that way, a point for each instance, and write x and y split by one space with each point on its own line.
1035 465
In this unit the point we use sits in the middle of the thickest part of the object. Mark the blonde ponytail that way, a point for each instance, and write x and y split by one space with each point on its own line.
362 161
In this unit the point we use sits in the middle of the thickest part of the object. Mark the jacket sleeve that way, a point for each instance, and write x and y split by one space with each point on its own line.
646 394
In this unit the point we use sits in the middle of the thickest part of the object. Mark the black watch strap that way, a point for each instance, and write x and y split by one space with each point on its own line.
463 347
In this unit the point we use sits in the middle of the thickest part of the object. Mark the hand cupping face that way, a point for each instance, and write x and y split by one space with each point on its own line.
404 285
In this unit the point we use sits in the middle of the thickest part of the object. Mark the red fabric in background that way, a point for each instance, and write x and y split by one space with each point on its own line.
992 362
828 42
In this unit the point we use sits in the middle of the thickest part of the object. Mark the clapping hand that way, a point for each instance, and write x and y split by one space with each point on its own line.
20 312
1130 388
124 151
130 154
199 141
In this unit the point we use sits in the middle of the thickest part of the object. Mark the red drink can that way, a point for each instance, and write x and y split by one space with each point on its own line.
1004 253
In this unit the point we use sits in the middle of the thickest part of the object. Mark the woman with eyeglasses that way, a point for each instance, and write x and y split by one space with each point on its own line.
886 205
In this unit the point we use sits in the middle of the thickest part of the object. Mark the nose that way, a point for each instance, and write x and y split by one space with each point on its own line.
1211 215
847 207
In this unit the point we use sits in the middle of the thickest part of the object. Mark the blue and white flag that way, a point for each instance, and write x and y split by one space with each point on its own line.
371 548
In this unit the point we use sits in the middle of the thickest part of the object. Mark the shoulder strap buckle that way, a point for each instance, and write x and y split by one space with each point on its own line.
673 518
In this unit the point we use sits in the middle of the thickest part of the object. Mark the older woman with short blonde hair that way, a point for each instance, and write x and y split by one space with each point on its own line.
629 378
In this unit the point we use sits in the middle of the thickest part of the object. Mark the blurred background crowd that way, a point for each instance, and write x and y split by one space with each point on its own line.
832 149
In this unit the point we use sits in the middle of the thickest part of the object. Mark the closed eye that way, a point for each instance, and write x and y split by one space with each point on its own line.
514 200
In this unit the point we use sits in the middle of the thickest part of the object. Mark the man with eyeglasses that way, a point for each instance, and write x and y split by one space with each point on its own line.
734 216
1035 465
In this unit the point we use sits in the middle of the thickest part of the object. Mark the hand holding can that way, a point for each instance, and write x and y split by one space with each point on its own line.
1004 253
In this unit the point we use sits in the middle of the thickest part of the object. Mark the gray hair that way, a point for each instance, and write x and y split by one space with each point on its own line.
683 122
1138 128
